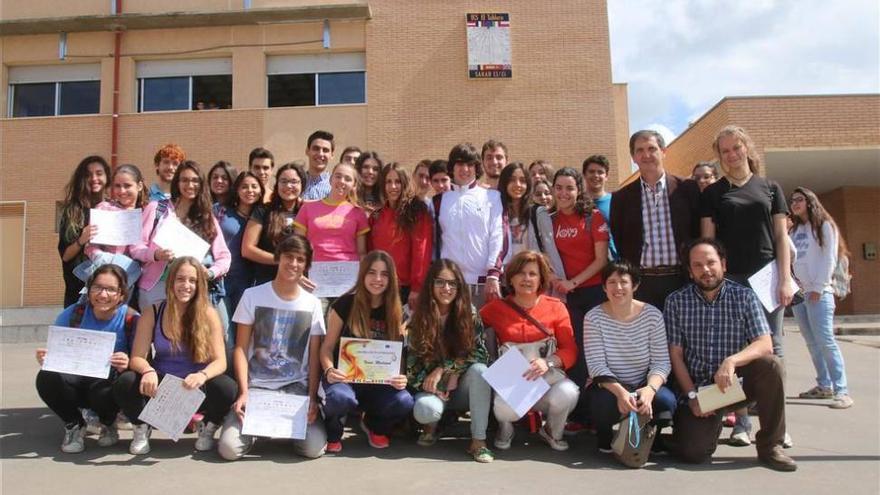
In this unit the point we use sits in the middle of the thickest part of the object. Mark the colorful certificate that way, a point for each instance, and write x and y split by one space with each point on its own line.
369 361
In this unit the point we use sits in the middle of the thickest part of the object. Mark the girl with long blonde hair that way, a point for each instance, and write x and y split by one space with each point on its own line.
187 338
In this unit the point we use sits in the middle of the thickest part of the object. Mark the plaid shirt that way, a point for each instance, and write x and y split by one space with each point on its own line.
658 241
711 331
317 187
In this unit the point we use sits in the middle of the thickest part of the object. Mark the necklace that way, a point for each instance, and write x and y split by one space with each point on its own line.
742 179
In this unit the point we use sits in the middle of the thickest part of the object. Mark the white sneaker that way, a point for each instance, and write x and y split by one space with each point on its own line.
74 439
93 424
109 435
122 422
841 401
140 439
787 442
739 437
504 435
206 441
558 445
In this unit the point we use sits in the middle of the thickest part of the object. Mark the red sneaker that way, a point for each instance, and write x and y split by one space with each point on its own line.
334 447
376 441
573 428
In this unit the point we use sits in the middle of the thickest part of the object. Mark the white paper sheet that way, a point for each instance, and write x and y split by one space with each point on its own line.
765 282
116 228
172 407
333 278
79 352
505 376
275 414
175 236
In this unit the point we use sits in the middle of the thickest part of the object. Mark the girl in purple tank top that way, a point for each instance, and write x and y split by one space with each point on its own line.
186 334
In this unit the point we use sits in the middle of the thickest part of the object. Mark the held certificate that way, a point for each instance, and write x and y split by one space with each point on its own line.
177 237
116 228
333 278
172 407
369 361
79 352
275 414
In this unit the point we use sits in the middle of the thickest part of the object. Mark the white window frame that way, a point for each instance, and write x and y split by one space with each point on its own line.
51 74
189 68
316 64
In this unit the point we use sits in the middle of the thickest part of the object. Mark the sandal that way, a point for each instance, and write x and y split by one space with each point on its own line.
427 438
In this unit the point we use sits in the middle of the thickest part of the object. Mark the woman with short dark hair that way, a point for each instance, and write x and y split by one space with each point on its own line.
626 352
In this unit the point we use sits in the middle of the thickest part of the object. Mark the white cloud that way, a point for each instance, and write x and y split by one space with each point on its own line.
680 57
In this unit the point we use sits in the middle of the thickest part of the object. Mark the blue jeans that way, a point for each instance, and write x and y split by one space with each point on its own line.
383 405
816 321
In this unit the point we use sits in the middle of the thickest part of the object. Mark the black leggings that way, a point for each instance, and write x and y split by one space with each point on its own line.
220 392
65 394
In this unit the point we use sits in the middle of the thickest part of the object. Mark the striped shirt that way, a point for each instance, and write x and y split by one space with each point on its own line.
317 187
710 331
628 351
658 241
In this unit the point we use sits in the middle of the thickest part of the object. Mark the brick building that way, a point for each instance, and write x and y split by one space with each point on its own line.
829 144
380 74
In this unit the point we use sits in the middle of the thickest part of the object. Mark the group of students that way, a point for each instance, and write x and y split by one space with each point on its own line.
501 255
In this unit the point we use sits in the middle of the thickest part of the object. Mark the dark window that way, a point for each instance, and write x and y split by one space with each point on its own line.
33 100
165 93
292 90
80 97
341 87
212 92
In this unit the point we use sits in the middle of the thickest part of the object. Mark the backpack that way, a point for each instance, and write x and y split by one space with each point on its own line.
841 278
129 326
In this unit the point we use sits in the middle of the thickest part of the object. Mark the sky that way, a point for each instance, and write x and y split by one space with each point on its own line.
681 57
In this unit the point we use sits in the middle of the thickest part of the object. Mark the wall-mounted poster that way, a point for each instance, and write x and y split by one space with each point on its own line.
488 37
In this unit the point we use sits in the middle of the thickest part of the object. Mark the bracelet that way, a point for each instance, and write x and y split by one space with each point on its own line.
327 371
652 388
151 370
80 245
203 372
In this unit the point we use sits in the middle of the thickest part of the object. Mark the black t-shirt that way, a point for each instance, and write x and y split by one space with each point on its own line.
343 306
260 214
743 219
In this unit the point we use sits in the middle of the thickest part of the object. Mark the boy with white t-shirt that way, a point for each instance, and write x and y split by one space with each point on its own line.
279 335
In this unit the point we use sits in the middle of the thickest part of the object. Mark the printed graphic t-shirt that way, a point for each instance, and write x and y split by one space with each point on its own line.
279 352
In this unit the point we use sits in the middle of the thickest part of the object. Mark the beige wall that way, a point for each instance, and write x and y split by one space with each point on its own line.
206 136
560 105
39 9
622 166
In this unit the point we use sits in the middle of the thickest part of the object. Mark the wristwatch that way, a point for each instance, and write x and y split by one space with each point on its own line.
550 363
692 395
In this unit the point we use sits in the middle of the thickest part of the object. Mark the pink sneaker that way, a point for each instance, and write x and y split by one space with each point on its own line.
729 419
376 441
333 447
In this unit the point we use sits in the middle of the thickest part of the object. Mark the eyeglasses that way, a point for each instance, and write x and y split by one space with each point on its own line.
798 199
194 180
442 283
289 182
97 289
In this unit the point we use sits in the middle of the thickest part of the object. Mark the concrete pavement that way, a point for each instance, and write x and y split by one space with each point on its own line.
837 452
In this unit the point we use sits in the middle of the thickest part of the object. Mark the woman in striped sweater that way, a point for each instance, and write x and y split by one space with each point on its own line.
626 351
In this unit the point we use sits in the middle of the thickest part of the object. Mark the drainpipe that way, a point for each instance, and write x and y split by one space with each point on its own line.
117 49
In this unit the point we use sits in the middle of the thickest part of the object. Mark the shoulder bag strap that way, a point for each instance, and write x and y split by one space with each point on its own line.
527 316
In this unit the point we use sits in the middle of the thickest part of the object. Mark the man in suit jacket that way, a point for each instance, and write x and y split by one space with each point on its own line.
653 218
